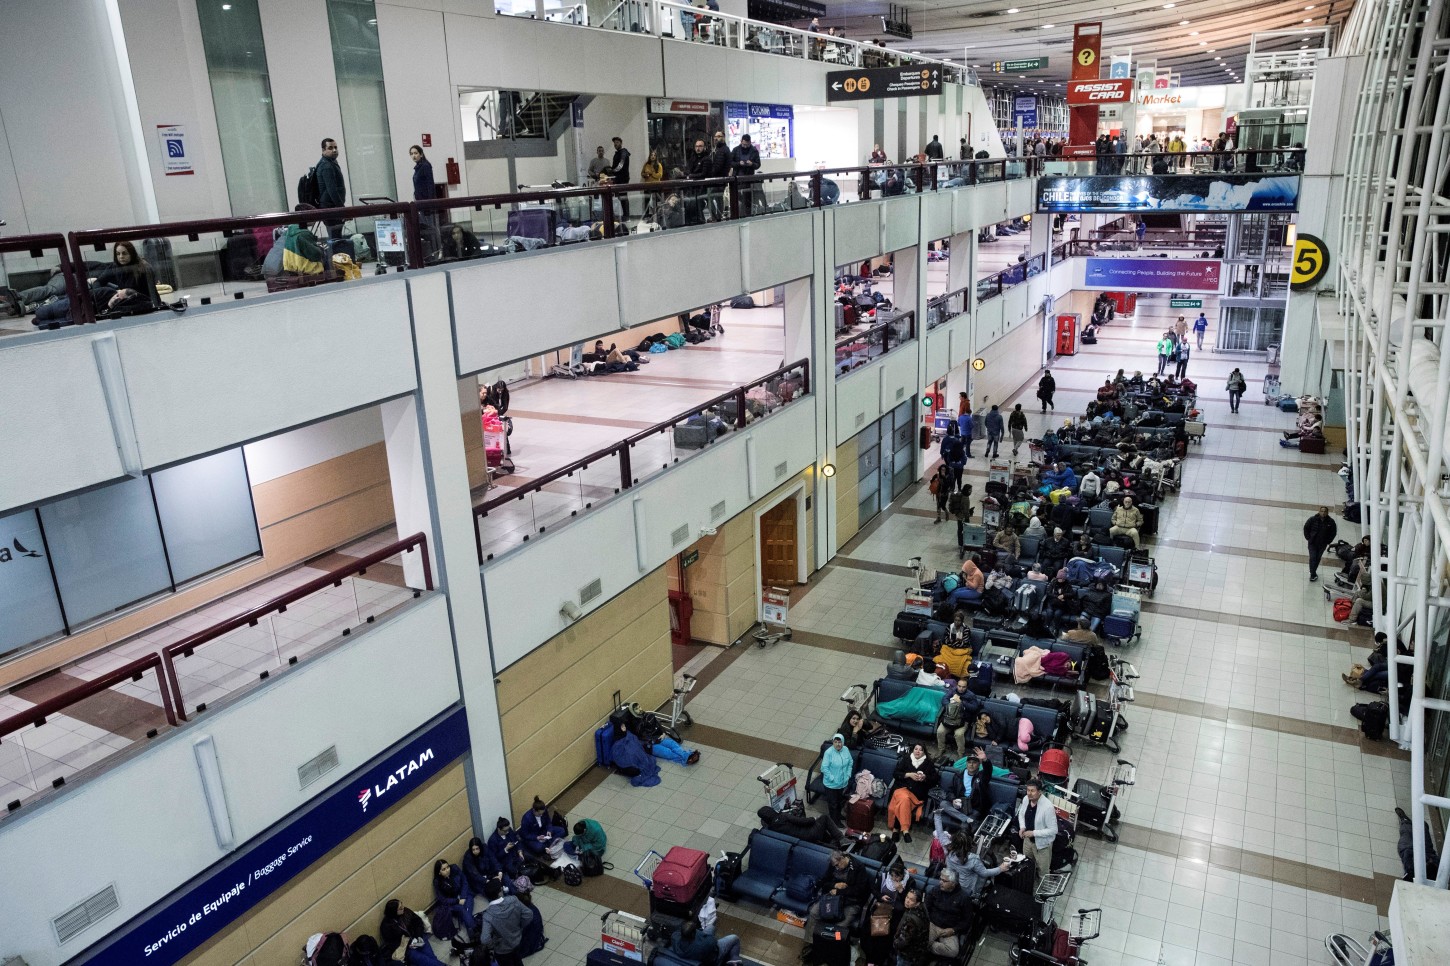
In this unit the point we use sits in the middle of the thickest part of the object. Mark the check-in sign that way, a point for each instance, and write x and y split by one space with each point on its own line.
1081 93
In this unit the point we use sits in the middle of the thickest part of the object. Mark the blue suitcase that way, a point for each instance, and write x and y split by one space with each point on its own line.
604 746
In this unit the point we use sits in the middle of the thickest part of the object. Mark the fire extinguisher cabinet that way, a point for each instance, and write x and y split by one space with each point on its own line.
1067 324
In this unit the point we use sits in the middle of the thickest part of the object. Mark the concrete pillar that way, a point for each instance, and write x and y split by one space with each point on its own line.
425 442
959 266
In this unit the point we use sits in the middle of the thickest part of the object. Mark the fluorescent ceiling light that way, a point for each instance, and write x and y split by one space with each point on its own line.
1049 26
1013 10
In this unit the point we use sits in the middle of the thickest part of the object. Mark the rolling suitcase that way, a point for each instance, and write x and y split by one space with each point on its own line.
831 945
605 957
680 874
1010 910
604 746
1150 518
860 816
908 625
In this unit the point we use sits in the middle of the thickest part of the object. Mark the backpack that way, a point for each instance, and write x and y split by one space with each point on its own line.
1372 718
591 864
308 192
573 877
328 949
365 952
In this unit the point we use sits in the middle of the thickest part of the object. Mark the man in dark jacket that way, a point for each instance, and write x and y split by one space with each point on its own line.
933 150
744 162
949 912
331 188
846 880
619 164
1046 386
993 423
719 168
1319 533
1017 423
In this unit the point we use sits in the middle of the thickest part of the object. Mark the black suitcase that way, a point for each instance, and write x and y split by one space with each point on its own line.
1021 877
831 945
603 957
1150 518
908 625
1011 911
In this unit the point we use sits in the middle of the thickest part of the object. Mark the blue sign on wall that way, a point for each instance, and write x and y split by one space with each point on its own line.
199 910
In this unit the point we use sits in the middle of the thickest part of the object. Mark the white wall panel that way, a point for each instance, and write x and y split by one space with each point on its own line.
903 222
1015 300
777 249
989 321
938 206
858 401
667 272
299 58
504 52
555 565
961 349
938 353
421 97
1019 196
215 378
899 380
56 435
143 824
571 296
858 231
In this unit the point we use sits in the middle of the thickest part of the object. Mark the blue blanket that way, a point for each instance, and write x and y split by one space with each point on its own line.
629 753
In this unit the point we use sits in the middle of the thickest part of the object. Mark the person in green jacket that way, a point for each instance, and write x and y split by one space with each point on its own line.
589 837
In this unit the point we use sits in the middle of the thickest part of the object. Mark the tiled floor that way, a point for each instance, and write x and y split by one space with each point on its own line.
1259 823
91 730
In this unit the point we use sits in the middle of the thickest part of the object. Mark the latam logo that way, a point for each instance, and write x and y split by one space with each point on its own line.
1099 92
395 778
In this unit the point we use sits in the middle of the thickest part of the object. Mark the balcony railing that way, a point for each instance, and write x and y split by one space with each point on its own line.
223 259
946 307
512 518
998 282
859 348
81 725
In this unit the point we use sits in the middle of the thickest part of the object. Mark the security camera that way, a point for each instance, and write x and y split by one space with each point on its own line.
570 611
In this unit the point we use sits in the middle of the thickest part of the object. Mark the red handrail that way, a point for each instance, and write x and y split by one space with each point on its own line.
133 671
621 448
279 604
36 245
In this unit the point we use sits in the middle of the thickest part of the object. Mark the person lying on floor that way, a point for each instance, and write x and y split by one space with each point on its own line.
668 749
632 760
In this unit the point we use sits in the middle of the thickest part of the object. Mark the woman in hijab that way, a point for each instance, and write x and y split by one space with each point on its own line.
836 768
915 776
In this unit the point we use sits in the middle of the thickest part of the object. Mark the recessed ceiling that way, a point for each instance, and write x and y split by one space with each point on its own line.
984 32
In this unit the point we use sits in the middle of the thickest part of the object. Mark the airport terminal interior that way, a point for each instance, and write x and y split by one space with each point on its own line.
511 482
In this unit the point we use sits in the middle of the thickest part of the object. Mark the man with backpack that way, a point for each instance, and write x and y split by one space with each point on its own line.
329 188
1017 426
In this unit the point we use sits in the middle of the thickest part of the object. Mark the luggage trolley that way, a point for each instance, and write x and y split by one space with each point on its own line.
666 915
782 791
1066 944
624 935
1348 951
1099 805
774 612
1100 721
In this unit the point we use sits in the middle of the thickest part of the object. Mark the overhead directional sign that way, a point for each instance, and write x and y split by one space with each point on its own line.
1019 66
867 85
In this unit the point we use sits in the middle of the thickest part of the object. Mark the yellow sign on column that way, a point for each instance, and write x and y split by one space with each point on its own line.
1311 261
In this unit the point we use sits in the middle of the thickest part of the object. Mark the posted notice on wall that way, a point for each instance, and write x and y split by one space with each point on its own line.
175 155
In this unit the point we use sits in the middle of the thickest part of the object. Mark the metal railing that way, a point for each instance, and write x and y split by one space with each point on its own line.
171 710
998 282
613 469
946 307
682 22
207 254
871 343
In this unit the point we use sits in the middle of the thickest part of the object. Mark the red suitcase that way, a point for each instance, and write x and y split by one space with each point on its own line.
1055 765
680 874
860 815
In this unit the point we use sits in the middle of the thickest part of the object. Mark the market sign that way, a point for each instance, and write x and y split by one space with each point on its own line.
1081 93
867 85
667 105
1019 66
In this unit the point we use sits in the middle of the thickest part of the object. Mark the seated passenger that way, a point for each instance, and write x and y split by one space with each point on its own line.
127 287
479 865
959 706
403 936
1082 634
1107 392
1090 486
848 882
914 777
539 829
451 892
589 837
1055 551
1061 475
695 945
632 760
460 243
857 728
948 914
1097 603
1006 542
1137 381
302 253
1035 527
1126 521
1062 601
507 852
819 829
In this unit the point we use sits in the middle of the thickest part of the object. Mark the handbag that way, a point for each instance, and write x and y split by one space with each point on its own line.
829 908
881 919
591 864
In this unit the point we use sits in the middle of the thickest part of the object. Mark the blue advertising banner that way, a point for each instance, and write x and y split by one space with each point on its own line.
1024 111
1154 274
1168 193
176 926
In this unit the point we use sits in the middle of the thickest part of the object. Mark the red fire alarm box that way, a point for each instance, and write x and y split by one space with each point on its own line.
1067 324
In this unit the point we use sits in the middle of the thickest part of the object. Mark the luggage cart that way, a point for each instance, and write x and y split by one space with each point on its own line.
1099 806
1067 944
989 831
1348 951
774 612
782 791
624 934
666 915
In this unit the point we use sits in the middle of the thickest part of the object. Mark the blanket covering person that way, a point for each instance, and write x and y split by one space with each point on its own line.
629 753
1029 665
921 705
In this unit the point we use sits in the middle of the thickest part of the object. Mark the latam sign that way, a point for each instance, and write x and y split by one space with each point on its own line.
1081 93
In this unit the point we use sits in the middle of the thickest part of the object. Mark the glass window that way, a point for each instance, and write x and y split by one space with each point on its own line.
106 548
206 514
367 144
241 93
27 592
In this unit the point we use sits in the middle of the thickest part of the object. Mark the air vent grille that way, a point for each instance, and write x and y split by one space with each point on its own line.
590 591
73 922
780 469
309 771
717 512
681 534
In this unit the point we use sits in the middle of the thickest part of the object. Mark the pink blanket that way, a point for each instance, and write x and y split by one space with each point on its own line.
1029 665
